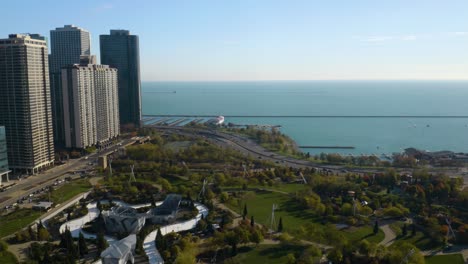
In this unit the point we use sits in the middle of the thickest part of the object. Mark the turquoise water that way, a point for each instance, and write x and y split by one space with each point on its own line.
330 98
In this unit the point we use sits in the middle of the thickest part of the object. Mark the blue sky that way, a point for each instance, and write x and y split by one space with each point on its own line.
270 39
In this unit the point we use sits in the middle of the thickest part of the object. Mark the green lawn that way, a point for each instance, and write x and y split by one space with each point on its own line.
17 220
287 187
365 232
272 254
69 190
259 205
443 259
293 216
6 257
420 240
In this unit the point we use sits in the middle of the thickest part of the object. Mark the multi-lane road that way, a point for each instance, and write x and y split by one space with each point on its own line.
249 147
38 181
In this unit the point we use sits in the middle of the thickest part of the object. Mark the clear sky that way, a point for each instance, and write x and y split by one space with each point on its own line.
270 39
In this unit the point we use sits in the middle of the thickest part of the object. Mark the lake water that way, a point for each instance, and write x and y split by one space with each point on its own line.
300 107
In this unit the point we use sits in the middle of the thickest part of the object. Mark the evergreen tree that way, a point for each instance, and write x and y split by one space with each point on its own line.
252 221
244 214
376 227
280 225
413 230
160 241
404 230
32 234
82 245
101 242
223 221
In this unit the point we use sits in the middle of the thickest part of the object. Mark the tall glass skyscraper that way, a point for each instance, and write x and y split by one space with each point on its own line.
121 50
25 107
67 45
3 154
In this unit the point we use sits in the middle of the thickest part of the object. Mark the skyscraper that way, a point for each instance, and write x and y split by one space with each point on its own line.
67 45
90 103
25 107
121 50
4 170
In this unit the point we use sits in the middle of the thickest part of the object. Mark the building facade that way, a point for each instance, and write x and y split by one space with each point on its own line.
4 169
90 104
25 106
68 43
121 50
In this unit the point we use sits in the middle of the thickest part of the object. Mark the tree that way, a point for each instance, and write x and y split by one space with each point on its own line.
43 234
252 221
413 230
3 246
232 239
290 259
256 237
99 205
280 225
83 248
376 228
101 242
404 230
244 214
32 234
160 241
335 256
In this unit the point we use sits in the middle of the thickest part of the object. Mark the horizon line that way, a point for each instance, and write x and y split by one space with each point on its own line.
320 80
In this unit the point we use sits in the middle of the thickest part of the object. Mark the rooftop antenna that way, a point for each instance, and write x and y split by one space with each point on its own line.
450 233
246 173
303 178
354 207
273 220
132 175
202 192
110 166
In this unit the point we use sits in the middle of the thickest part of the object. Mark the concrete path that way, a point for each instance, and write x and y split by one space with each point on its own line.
149 242
390 236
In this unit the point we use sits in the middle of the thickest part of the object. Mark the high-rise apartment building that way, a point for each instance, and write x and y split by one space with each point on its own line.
68 43
25 106
4 169
121 50
90 103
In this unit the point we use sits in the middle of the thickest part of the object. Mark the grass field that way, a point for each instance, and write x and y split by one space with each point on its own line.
69 190
420 240
17 220
361 233
259 205
6 257
293 216
443 259
272 254
288 187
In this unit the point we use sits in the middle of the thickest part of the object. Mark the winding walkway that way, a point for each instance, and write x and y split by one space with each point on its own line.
75 226
149 243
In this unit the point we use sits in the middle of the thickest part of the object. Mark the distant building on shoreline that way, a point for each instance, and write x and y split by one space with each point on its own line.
25 106
68 43
121 50
90 104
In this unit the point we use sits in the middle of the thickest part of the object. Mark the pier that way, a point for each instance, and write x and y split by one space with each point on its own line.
317 116
327 147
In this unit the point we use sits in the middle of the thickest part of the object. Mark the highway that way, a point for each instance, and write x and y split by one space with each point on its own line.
250 147
43 179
